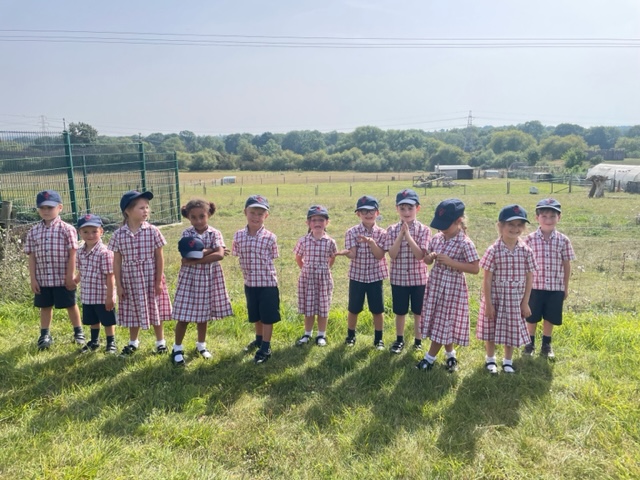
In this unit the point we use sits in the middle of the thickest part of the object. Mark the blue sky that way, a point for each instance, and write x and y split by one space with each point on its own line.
126 89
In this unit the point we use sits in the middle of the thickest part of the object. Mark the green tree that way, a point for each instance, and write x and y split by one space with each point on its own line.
556 146
533 128
603 137
573 158
81 132
565 129
511 141
633 132
447 155
631 146
172 144
206 159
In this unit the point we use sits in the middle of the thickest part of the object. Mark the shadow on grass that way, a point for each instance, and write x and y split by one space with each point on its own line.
486 403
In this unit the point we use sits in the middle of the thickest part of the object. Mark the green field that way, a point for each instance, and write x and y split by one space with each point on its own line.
337 412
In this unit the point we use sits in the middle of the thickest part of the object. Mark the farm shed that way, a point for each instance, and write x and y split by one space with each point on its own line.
456 172
617 173
226 180
492 174
541 177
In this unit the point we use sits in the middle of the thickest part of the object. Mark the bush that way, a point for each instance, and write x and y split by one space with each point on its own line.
14 271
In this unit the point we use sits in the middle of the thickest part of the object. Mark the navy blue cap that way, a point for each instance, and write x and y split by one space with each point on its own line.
407 196
513 212
367 203
132 195
318 210
89 220
551 203
48 198
257 201
190 247
447 212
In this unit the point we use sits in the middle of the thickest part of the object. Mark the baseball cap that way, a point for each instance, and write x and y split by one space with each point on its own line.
447 212
513 212
132 195
551 203
407 196
367 203
48 198
89 220
191 247
318 210
257 201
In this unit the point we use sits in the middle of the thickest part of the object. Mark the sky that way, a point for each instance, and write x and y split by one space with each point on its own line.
162 86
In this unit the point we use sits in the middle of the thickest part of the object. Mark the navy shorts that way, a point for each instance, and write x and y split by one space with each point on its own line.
402 295
373 292
93 314
58 297
263 304
547 305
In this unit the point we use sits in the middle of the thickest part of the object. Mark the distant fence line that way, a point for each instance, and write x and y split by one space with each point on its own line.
89 177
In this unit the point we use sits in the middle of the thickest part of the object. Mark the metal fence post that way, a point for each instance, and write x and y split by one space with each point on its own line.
143 166
85 180
175 162
70 177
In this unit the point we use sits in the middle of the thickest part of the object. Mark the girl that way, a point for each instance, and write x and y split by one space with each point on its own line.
508 267
315 254
445 315
138 266
201 294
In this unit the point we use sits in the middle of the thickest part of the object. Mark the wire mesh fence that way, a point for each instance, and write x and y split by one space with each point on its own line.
89 177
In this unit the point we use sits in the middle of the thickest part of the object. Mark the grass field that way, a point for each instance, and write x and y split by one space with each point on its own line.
337 412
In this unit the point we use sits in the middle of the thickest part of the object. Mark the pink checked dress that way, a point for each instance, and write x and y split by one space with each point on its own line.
315 284
445 311
507 290
201 293
140 307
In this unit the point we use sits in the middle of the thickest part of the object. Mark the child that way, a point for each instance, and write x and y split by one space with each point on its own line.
407 243
553 253
256 248
98 293
368 267
201 294
508 265
51 245
315 254
445 311
138 265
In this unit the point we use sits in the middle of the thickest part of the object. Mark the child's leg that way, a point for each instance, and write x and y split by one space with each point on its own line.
74 316
508 353
400 322
267 330
133 334
95 333
309 320
202 332
181 330
352 320
531 328
490 360
490 348
259 329
322 324
547 328
417 334
434 348
110 331
46 315
159 331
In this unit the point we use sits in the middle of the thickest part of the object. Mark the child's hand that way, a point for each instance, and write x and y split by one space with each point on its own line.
120 292
442 258
489 311
404 230
363 239
70 284
525 310
227 252
108 305
341 252
35 287
158 288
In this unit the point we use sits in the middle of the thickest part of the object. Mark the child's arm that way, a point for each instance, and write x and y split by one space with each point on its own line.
430 257
159 258
349 253
117 273
489 310
566 265
394 249
415 248
35 288
377 251
464 267
70 282
108 304
214 255
299 261
524 305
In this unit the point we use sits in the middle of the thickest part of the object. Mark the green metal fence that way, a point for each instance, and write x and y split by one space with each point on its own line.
90 177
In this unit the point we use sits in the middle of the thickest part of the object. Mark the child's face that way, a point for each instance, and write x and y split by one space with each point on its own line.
547 219
407 212
453 229
256 216
512 230
90 235
49 213
367 217
317 223
199 219
139 210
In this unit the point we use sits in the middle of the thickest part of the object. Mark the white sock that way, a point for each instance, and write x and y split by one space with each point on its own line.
506 361
310 332
134 343
161 342
451 354
490 360
321 334
429 358
201 346
177 348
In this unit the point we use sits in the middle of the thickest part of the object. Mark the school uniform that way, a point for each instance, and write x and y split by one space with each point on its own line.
366 272
201 293
140 307
508 283
256 254
445 311
94 265
50 245
315 283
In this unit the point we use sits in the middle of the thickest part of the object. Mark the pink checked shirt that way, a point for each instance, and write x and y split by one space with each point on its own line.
51 245
256 254
94 265
315 284
365 267
406 269
549 255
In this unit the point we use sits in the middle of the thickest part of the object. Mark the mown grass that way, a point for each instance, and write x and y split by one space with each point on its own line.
338 412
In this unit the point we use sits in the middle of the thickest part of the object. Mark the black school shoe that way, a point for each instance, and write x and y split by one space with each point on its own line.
90 347
452 364
45 341
177 358
128 350
111 349
424 364
79 338
397 347
262 356
252 346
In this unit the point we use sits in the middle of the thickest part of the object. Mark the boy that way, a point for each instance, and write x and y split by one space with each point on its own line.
98 295
407 243
553 253
51 246
364 245
256 248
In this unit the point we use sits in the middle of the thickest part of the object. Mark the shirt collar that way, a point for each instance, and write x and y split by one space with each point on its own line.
541 235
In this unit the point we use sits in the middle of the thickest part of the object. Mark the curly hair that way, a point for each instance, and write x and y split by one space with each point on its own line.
209 207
